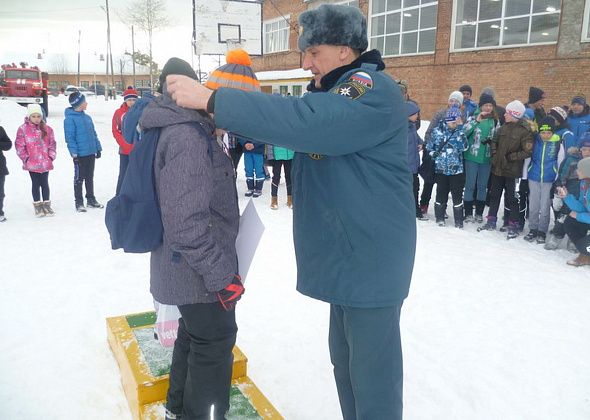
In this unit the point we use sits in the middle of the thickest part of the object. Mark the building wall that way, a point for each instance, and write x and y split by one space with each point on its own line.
561 70
63 80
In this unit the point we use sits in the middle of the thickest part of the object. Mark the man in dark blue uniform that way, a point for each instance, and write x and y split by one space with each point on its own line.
353 211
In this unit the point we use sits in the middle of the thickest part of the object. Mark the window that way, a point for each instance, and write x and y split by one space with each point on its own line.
504 23
118 85
276 35
85 83
52 85
297 90
586 25
353 3
400 27
283 90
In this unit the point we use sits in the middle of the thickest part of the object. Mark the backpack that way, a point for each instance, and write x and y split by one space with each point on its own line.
133 217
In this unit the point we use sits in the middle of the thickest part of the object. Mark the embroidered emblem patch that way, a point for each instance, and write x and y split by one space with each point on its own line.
362 78
351 90
315 156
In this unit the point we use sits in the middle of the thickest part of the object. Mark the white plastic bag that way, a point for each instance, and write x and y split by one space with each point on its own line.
166 323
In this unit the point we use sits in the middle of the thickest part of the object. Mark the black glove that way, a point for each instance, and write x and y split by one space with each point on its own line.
98 154
229 296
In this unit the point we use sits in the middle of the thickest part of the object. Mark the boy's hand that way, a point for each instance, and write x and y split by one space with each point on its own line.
248 146
229 296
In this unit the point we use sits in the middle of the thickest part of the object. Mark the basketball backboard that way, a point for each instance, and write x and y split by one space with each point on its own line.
221 25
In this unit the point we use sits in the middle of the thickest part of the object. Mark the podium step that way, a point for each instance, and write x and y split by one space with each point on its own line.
145 366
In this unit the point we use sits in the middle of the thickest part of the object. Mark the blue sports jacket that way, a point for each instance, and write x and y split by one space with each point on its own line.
80 134
543 164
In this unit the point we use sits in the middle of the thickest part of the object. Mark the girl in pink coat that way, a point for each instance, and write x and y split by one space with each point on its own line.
35 146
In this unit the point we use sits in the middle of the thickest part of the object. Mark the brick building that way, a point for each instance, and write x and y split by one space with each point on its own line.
439 45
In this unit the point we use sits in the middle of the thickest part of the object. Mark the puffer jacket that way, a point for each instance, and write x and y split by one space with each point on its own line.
36 152
446 148
511 145
579 123
5 144
568 175
543 165
479 135
199 206
580 204
80 134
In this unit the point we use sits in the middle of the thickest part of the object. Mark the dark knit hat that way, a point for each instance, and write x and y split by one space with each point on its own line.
411 108
585 140
579 99
76 99
129 93
236 74
559 114
535 94
547 124
584 167
486 99
332 24
175 65
465 88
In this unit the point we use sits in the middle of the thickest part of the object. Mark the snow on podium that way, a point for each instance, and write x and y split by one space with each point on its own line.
145 365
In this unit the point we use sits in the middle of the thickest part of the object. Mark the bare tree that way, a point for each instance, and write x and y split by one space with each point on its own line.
59 64
122 62
148 16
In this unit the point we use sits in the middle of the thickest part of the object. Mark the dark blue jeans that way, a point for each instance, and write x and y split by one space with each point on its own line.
365 349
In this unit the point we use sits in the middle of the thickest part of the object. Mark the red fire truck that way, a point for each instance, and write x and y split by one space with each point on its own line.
24 85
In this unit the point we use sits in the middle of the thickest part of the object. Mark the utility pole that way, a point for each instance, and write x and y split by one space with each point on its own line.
106 82
110 51
133 55
79 35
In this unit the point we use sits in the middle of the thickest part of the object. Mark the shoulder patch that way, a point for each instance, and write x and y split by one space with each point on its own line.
355 86
362 78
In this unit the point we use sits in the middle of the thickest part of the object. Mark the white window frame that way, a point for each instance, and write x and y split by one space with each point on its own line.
586 23
347 3
502 18
286 20
401 30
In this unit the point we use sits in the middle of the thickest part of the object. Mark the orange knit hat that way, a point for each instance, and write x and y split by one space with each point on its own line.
236 74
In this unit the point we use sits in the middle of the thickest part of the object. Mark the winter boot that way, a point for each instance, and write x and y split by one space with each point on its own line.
512 231
552 242
419 215
490 224
580 260
80 208
92 203
258 188
290 201
2 218
424 209
250 186
479 208
47 208
571 246
38 205
468 205
274 203
439 213
458 215
531 236
541 238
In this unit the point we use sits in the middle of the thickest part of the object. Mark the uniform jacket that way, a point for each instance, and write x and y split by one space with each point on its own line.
579 124
36 152
581 204
414 140
117 127
446 148
199 206
479 136
80 134
567 175
354 225
511 145
5 144
543 165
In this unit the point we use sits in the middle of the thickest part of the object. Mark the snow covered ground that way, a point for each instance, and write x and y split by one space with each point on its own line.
491 329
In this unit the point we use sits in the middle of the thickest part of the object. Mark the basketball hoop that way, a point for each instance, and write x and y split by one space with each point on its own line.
234 43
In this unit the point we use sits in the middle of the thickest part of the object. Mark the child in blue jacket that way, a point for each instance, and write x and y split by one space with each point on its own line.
254 166
542 172
84 147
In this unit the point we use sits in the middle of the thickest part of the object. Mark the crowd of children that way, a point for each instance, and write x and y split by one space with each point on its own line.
539 162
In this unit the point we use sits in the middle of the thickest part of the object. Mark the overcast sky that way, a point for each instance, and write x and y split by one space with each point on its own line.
32 26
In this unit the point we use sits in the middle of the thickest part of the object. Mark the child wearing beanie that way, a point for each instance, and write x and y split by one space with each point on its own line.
542 172
84 147
5 144
511 145
35 146
577 223
129 99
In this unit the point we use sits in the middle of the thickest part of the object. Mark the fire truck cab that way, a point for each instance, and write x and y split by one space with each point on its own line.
24 85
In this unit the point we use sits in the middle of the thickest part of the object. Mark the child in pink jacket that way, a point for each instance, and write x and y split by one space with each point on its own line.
35 146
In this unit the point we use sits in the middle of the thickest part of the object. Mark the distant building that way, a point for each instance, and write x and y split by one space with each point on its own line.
440 45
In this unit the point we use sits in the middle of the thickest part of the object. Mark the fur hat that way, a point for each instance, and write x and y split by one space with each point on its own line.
456 95
486 99
579 99
515 109
129 93
175 66
76 99
584 167
466 88
411 108
332 24
236 74
535 94
547 124
559 114
34 109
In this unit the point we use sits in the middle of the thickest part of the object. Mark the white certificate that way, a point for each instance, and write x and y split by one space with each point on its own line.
249 234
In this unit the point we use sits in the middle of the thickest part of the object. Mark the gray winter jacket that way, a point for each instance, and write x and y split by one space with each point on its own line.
199 204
